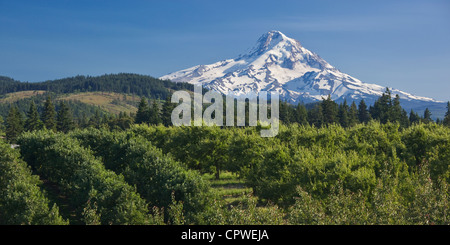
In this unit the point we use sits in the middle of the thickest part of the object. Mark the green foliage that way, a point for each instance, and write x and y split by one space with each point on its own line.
446 121
14 124
49 115
33 122
64 119
98 194
21 200
120 83
157 177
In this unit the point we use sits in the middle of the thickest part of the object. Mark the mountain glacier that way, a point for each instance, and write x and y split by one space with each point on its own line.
282 64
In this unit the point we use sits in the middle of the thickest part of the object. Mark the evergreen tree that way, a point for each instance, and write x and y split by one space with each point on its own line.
33 122
427 116
143 113
96 120
315 116
64 121
166 115
286 115
14 124
49 115
381 109
353 115
329 110
2 126
414 117
363 113
83 122
446 121
301 114
396 110
343 114
155 113
404 120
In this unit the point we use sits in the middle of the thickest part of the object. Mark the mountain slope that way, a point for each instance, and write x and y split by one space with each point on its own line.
279 63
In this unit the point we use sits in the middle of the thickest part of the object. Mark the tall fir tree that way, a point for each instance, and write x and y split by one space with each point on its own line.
143 113
33 122
315 116
49 115
2 126
329 110
414 117
301 114
381 109
396 110
363 113
427 116
446 120
353 115
343 114
64 119
166 114
155 113
404 120
14 124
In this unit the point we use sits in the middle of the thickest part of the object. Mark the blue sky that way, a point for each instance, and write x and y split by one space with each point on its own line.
400 44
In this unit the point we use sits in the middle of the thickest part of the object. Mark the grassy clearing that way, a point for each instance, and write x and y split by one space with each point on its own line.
108 101
13 97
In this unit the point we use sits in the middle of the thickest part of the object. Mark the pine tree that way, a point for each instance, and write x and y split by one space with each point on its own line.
285 113
64 121
329 110
413 117
301 114
315 116
446 121
142 115
396 110
343 114
404 120
363 113
33 122
353 115
96 120
155 113
49 115
14 124
83 122
427 116
381 109
166 115
2 126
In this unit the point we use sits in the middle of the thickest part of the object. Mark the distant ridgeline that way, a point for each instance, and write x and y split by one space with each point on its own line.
140 85
120 100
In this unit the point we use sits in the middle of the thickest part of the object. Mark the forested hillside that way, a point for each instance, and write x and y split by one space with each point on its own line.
139 85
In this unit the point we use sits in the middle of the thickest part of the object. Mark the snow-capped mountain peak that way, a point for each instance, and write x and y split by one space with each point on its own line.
279 63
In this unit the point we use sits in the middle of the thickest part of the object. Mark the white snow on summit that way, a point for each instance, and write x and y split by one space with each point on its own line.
279 63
